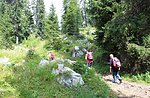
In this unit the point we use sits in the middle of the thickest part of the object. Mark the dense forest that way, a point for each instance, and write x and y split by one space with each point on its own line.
120 27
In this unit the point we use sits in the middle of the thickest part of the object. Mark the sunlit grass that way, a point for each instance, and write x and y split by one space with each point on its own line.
139 78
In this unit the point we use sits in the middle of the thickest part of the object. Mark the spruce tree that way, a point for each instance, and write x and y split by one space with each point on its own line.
40 18
6 27
19 20
71 19
52 27
52 30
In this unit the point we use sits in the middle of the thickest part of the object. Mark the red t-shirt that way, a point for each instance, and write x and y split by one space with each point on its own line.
51 56
87 58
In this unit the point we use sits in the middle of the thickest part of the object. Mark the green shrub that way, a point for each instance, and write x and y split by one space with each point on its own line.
138 58
54 43
30 54
140 78
79 68
147 41
15 55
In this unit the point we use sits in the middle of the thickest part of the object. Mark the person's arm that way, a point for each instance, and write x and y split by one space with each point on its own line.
110 69
86 57
119 68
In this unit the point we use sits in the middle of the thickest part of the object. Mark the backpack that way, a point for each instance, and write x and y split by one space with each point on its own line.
116 62
90 56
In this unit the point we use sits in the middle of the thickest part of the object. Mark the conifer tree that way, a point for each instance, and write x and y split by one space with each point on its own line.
40 18
71 19
52 27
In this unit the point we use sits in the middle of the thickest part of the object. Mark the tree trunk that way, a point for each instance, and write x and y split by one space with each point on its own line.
17 40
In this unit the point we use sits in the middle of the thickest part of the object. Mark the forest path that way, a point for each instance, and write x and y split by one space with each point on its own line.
128 89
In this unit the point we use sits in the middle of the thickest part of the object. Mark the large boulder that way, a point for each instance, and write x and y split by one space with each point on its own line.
68 77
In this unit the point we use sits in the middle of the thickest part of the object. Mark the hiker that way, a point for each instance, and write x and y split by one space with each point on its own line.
51 56
114 68
89 58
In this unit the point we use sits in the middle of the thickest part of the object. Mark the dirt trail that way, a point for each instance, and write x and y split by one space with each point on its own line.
128 89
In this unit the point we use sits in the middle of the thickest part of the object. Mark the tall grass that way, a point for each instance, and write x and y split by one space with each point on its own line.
15 55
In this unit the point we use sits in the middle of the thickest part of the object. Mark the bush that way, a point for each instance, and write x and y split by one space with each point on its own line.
32 41
147 41
79 68
54 43
138 58
140 78
15 55
30 54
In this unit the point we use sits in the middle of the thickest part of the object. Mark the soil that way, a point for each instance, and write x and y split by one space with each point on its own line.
128 89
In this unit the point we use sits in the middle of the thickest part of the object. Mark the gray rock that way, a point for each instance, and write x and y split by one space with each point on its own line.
43 63
84 50
81 53
70 61
67 77
59 60
76 48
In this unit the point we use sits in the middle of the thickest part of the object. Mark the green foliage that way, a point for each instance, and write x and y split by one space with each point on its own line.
28 80
15 55
6 89
16 22
139 78
138 58
30 54
79 68
101 89
19 20
32 41
87 33
54 43
6 26
120 23
84 92
54 66
51 26
71 19
40 18
147 41
52 31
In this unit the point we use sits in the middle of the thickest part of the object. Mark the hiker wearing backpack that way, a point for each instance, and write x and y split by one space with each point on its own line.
89 58
114 68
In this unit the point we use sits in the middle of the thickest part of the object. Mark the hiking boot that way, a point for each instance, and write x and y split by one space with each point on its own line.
120 81
114 82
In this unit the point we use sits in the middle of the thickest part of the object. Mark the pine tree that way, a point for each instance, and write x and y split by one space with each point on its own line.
40 18
71 19
52 27
52 30
19 20
6 26
30 21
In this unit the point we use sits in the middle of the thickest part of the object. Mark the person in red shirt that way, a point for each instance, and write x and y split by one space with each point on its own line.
51 56
89 58
114 69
